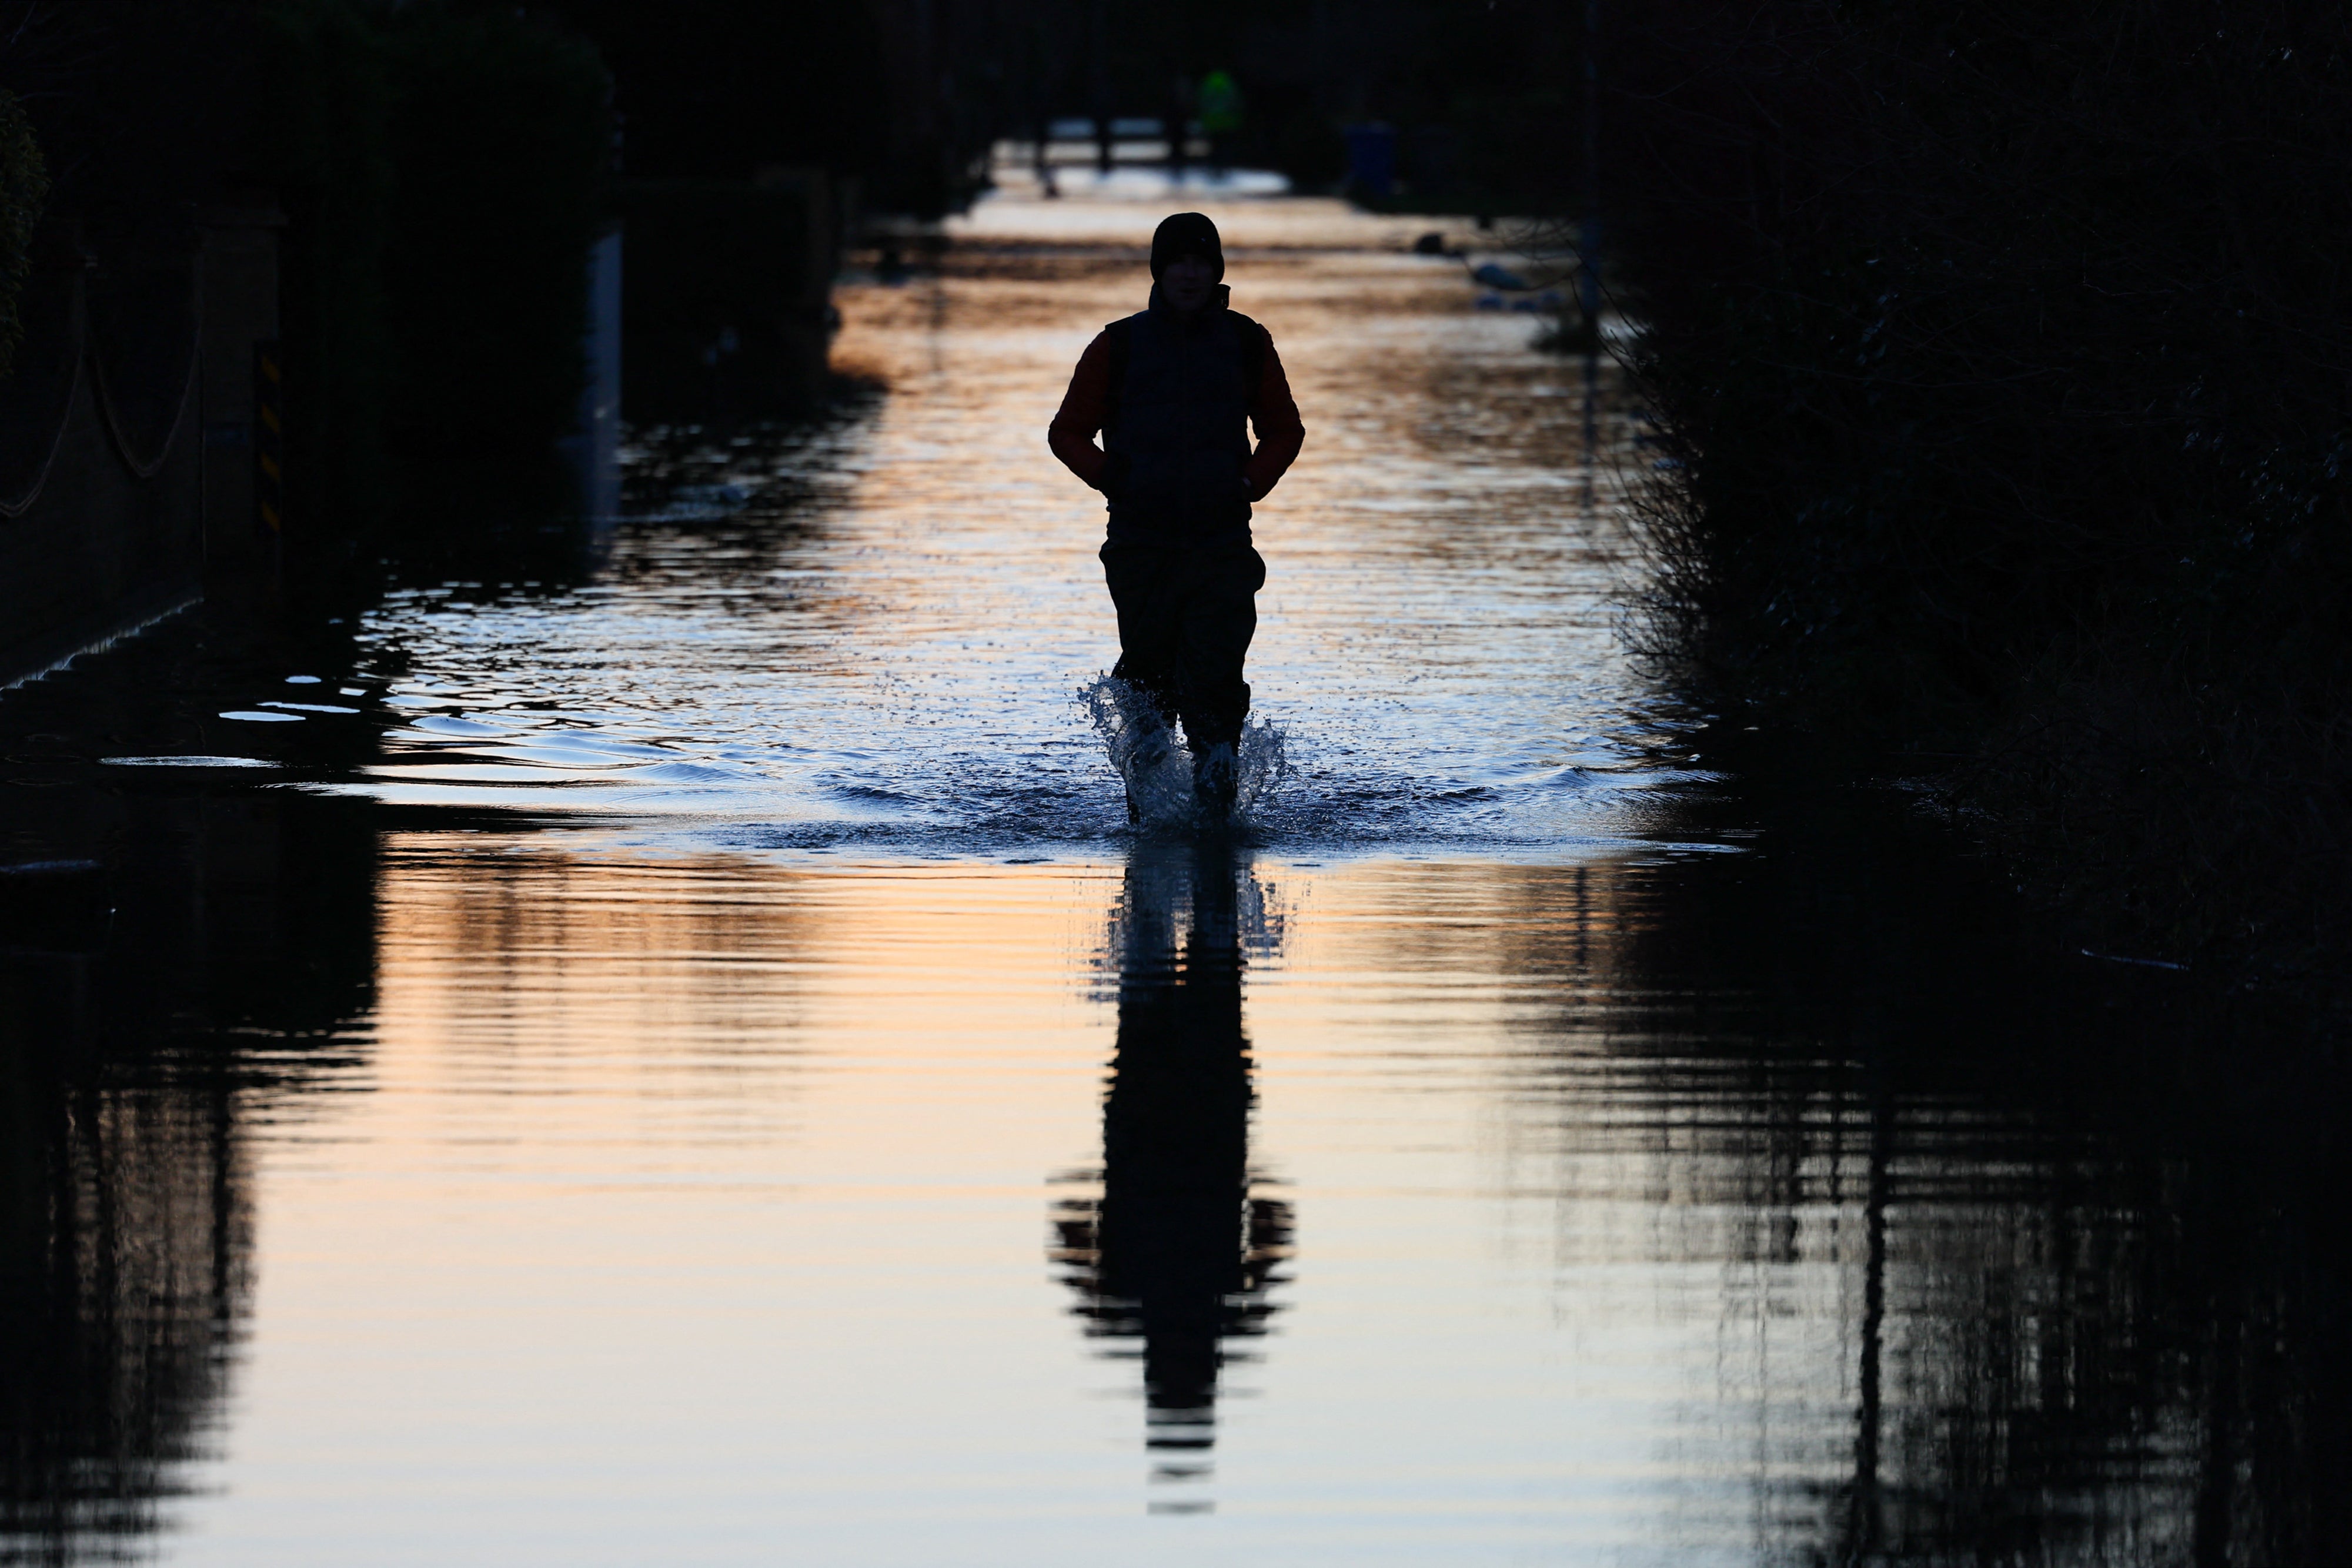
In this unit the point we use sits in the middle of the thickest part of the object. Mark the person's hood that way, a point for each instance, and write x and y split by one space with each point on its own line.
1186 234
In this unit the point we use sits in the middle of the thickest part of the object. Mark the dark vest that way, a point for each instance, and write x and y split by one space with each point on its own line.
1177 431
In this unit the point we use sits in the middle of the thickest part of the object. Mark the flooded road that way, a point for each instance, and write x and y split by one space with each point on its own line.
677 1057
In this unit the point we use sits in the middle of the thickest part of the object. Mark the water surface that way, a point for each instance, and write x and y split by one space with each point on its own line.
676 1055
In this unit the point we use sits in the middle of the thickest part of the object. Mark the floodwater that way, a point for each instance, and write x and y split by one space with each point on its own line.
672 1053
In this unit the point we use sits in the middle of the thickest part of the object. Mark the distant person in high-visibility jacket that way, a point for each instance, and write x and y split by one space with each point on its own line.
1174 390
1220 117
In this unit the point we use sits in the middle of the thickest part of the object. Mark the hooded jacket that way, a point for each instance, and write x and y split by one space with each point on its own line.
1174 399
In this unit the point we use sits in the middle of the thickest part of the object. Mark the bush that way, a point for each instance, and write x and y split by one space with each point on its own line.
2003 350
326 147
443 172
715 262
502 141
24 187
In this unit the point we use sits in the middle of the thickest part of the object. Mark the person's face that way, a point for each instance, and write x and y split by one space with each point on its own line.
1187 280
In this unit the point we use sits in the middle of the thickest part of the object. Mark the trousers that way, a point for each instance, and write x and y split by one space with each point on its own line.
1185 620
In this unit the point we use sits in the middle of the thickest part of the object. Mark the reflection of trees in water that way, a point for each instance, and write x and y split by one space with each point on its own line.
186 962
1174 1249
2070 1321
126 1238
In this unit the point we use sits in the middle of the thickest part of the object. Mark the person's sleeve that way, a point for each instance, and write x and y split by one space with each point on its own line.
1084 406
1275 414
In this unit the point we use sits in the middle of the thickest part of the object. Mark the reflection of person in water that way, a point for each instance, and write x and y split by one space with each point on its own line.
1176 1251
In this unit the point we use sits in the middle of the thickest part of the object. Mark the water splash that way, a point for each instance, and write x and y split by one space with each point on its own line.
1265 768
1157 771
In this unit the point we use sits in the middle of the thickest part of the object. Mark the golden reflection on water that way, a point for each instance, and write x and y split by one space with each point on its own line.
1450 1175
780 1154
899 1210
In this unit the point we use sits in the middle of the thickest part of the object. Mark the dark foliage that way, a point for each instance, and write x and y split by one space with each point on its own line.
140 106
895 101
722 88
727 298
500 147
120 120
1486 97
2003 350
23 192
327 151
443 169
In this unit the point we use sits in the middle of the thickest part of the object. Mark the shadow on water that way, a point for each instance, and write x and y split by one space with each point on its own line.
176 960
1174 1252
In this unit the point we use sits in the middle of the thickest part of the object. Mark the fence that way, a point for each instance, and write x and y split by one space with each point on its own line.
126 430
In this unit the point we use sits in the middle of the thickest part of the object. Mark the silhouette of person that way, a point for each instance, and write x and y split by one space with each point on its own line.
1177 1253
1175 390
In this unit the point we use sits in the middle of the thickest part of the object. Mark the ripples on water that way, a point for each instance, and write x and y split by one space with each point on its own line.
697 1068
879 633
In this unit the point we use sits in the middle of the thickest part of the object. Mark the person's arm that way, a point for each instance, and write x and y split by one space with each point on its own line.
1084 407
1275 414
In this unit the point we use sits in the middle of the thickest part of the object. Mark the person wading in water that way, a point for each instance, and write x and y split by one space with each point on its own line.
1174 390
